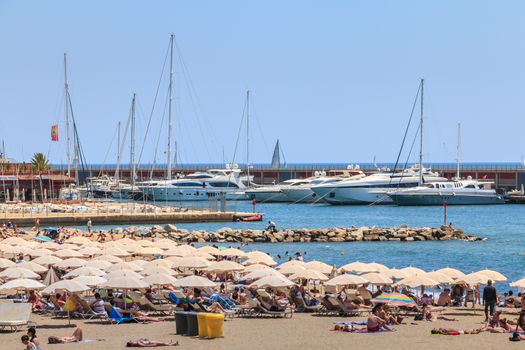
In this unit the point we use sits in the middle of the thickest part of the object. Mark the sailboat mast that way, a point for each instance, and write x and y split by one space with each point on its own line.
421 137
458 151
248 135
117 169
66 116
170 122
132 148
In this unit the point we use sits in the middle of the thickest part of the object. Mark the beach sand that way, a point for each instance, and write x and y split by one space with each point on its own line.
303 331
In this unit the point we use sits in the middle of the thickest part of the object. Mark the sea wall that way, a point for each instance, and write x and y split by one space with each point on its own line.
339 234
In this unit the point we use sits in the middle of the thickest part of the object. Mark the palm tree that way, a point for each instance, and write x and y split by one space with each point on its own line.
40 164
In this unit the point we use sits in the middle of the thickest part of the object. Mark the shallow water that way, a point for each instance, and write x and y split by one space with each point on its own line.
503 226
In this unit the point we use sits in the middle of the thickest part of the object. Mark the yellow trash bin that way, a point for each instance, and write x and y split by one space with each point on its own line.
202 321
215 323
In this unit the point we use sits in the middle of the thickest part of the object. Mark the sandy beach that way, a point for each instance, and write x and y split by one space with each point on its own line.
303 331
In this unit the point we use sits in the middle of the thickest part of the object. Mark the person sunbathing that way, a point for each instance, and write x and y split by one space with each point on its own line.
138 315
76 337
448 331
426 312
146 343
385 314
444 298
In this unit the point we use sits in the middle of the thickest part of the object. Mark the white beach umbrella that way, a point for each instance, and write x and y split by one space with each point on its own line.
165 244
418 281
14 241
85 271
291 269
378 267
88 251
473 279
16 250
50 245
260 260
233 252
160 279
254 267
125 282
192 262
18 272
159 263
122 273
309 274
78 240
150 251
154 270
91 281
68 246
224 266
5 263
413 271
377 278
47 260
66 285
357 267
125 265
114 251
109 258
68 253
194 282
98 264
210 250
346 280
439 277
31 265
176 251
493 275
40 252
319 266
202 255
70 263
396 274
518 284
272 282
254 275
452 273
22 283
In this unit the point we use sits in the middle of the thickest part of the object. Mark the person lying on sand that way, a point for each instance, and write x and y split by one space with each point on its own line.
376 323
76 337
146 343
448 331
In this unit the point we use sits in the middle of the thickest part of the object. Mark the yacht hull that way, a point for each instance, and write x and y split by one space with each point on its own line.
450 199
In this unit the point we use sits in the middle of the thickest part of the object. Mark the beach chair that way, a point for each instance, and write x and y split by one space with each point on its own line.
341 308
263 311
163 309
14 315
89 313
300 306
116 318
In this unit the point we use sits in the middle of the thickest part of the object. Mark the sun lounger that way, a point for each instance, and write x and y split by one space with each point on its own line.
88 312
115 317
145 304
300 306
14 315
258 310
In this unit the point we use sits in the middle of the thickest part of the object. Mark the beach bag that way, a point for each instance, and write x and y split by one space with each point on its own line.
418 317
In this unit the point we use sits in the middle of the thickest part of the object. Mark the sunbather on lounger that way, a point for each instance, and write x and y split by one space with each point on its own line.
138 315
76 337
146 343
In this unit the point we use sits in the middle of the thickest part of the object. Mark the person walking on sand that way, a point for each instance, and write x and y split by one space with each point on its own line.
37 225
89 225
489 298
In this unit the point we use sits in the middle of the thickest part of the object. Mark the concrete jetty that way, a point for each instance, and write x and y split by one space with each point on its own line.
53 214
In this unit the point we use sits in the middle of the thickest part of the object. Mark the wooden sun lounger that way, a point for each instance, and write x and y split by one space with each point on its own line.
164 309
89 313
301 305
261 311
14 315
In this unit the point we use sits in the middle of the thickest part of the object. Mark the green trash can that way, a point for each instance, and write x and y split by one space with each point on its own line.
193 324
181 322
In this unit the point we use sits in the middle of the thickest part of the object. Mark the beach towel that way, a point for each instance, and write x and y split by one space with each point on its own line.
363 330
356 323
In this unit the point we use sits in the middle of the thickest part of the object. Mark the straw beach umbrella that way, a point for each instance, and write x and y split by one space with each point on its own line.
123 273
125 265
255 267
439 277
224 266
160 279
47 260
68 253
210 250
70 263
418 281
91 281
192 262
357 267
30 265
125 282
153 270
396 274
291 269
85 271
40 252
109 258
98 264
319 266
5 263
413 271
452 273
308 274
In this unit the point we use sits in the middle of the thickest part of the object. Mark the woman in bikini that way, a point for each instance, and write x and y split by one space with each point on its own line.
76 337
146 343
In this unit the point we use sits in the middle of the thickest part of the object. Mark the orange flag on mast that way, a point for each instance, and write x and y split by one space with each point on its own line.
54 132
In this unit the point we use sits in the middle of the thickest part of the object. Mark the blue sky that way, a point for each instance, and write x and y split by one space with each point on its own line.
334 81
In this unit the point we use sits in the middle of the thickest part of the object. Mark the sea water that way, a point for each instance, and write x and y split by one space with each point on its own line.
501 226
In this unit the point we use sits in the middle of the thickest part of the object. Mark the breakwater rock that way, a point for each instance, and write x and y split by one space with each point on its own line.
339 234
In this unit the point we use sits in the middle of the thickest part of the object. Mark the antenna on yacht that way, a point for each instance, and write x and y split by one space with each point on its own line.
170 122
248 135
117 170
458 151
66 116
421 137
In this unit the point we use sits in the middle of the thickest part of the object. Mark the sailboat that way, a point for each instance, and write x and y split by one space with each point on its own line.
276 157
374 188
